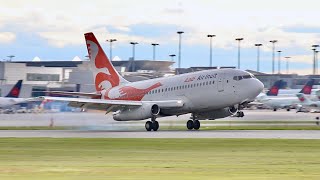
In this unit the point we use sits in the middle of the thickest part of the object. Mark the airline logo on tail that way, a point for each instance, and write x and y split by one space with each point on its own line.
301 97
105 74
15 91
275 88
308 87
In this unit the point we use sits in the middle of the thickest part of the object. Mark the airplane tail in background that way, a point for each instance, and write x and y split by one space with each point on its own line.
275 88
307 87
303 99
15 91
104 73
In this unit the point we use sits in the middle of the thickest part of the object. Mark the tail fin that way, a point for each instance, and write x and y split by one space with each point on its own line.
275 88
303 99
104 73
307 87
15 91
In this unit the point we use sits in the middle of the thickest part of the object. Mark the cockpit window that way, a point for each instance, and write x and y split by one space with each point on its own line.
238 78
247 77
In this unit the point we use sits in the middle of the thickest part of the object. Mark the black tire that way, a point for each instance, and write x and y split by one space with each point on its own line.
241 114
190 124
155 125
288 109
317 118
274 109
149 126
196 124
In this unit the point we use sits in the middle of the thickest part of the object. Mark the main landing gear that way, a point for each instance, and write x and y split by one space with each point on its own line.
194 123
240 114
152 125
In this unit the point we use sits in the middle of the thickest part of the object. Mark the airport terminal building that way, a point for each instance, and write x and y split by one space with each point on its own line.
41 76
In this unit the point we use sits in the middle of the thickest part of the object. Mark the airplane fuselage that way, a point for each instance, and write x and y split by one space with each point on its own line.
200 91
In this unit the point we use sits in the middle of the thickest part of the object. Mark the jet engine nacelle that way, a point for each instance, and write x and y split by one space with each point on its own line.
137 113
216 114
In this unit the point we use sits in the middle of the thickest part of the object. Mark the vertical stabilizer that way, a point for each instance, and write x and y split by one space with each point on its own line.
105 75
15 91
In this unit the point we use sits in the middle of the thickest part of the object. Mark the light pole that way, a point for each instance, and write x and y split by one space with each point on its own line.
133 54
279 63
154 50
273 42
317 62
179 58
258 56
111 40
172 56
287 62
239 40
314 57
210 36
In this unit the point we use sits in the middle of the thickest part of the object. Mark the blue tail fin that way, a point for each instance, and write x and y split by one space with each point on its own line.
307 87
273 91
15 91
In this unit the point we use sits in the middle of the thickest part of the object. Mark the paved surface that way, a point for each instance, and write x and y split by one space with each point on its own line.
260 134
100 119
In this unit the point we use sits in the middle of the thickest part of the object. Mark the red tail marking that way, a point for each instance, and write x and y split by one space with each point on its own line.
134 94
301 99
274 90
102 61
15 91
307 90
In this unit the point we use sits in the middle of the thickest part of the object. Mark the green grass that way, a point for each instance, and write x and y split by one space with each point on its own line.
60 158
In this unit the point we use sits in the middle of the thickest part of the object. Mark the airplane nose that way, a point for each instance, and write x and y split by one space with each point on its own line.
260 86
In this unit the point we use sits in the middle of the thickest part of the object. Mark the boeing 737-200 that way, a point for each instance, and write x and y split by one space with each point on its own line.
209 94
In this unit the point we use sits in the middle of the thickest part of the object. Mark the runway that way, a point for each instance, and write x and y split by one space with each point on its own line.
251 134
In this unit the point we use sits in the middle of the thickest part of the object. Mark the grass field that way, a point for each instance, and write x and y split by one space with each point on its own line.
49 158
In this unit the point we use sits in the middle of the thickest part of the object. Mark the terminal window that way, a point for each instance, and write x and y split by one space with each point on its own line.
42 77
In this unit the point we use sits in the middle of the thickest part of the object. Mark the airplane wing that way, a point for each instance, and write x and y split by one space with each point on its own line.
94 94
109 105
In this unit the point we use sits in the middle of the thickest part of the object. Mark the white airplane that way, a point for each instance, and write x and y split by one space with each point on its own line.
13 97
308 104
287 101
209 94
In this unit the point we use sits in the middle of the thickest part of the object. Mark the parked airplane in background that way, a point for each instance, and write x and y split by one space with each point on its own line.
287 101
13 97
210 94
307 104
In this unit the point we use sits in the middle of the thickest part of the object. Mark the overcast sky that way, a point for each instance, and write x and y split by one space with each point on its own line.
53 30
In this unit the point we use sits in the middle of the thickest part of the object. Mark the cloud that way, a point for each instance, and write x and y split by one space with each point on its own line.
7 37
148 21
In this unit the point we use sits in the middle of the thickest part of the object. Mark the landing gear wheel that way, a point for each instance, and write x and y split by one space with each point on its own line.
190 124
288 109
317 118
155 125
274 109
196 124
241 114
149 126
